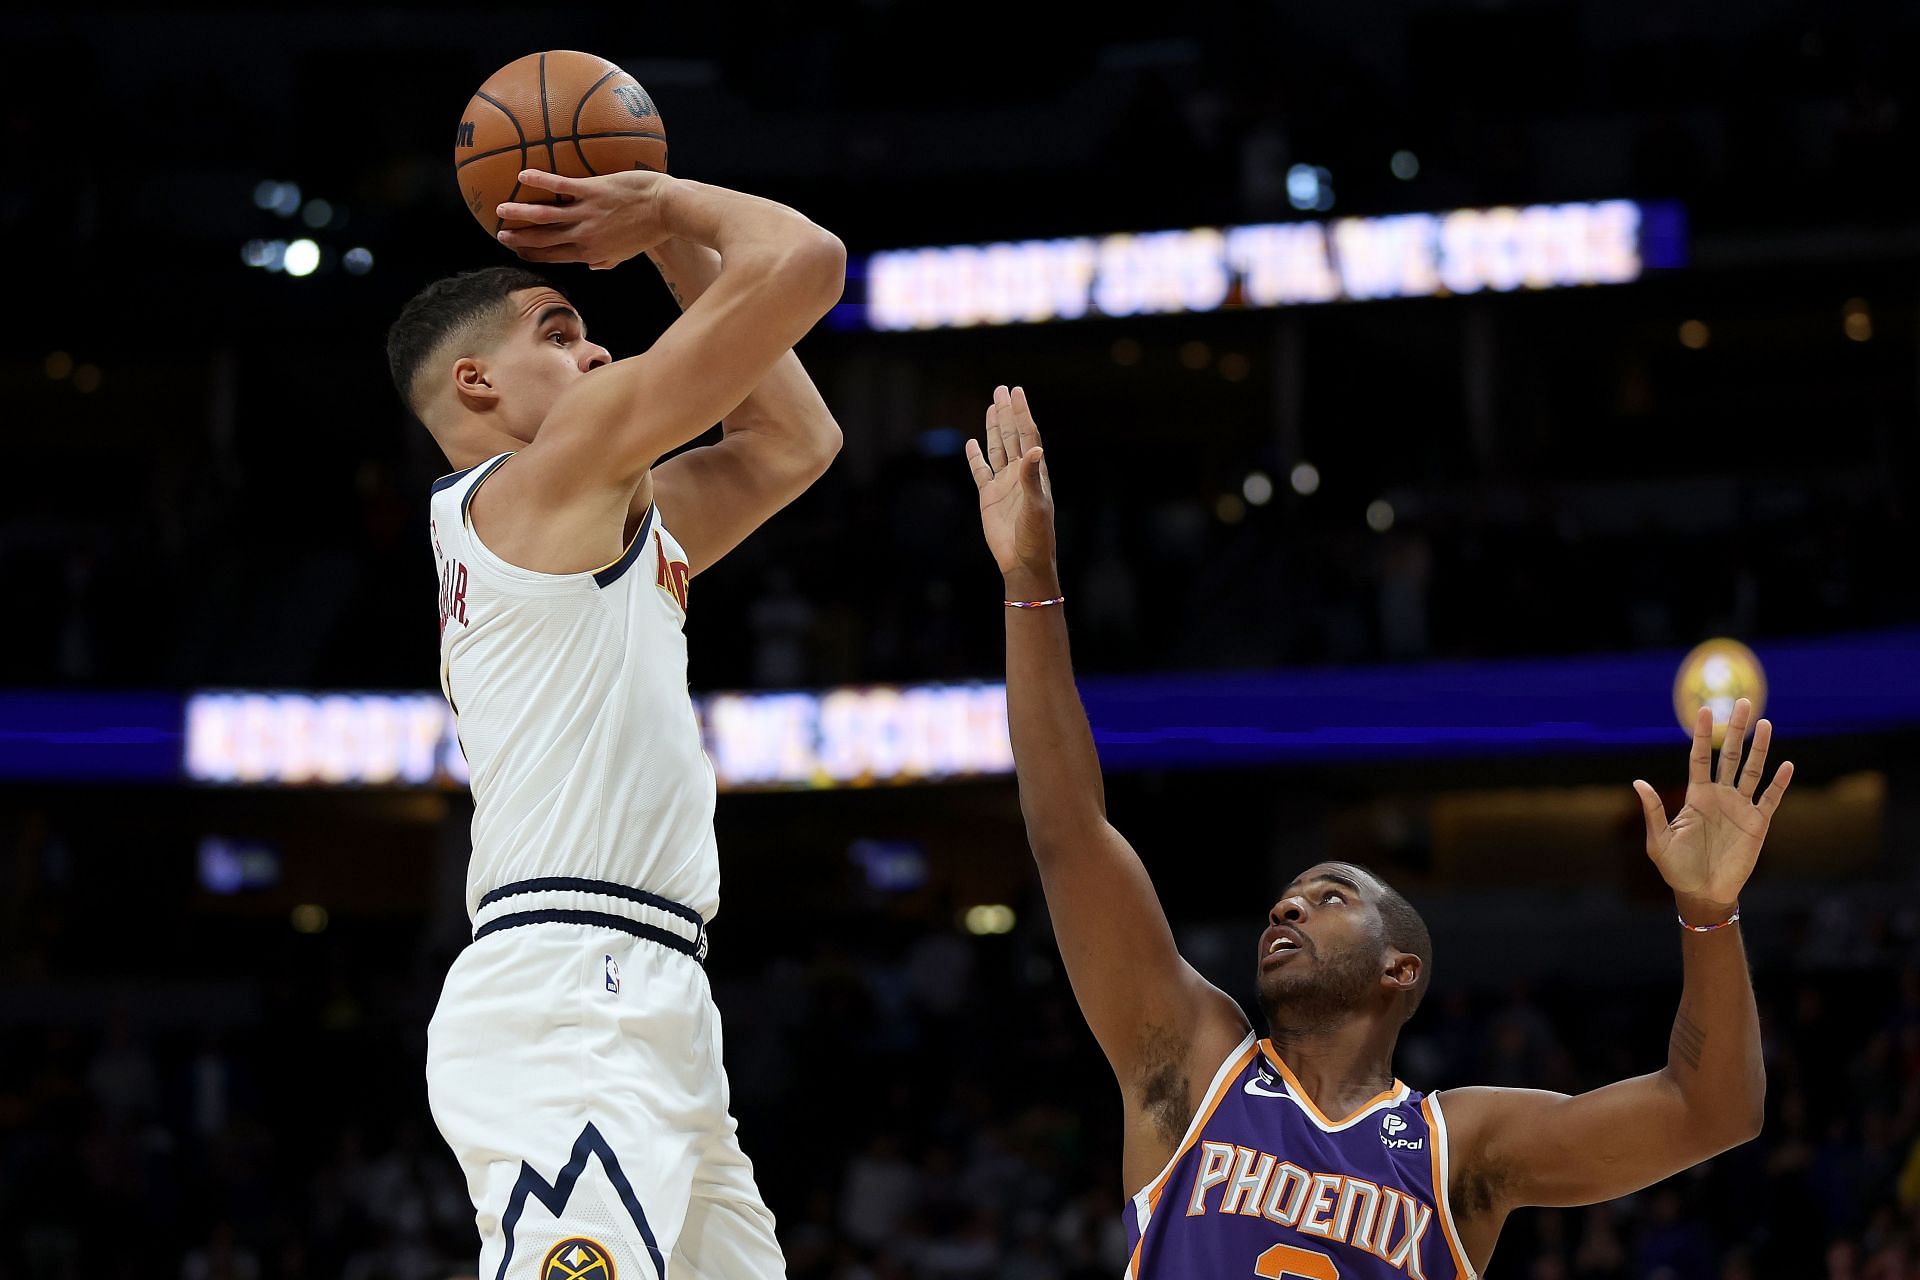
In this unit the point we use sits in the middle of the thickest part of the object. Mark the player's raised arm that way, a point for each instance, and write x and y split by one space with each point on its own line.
1514 1147
778 441
778 275
1155 1017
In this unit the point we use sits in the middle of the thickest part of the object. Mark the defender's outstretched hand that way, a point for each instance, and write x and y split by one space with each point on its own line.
1707 852
601 221
1016 500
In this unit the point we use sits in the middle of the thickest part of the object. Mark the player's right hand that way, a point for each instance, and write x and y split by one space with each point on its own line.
1016 498
601 221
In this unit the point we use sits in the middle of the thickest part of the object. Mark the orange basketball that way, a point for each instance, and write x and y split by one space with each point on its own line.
562 111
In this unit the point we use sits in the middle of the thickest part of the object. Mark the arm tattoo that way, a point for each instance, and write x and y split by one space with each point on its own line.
1689 1039
672 288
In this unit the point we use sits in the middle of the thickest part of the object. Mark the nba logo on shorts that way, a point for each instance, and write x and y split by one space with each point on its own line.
613 975
577 1258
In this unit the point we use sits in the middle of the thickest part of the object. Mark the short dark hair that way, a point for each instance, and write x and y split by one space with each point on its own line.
1407 932
443 309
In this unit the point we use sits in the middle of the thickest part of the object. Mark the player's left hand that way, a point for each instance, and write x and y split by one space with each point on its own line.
1016 496
1707 852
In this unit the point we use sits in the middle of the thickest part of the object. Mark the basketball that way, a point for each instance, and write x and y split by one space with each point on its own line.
562 111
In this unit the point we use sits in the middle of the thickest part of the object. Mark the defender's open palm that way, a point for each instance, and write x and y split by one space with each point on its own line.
1707 852
1016 502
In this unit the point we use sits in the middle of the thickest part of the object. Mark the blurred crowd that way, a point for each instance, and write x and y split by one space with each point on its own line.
883 578
919 1103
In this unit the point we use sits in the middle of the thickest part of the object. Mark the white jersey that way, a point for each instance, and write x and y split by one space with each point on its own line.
570 694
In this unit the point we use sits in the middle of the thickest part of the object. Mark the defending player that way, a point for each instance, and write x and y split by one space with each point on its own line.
574 1061
1300 1155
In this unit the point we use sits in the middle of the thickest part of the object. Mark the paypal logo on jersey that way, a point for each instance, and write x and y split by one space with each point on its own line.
1392 1125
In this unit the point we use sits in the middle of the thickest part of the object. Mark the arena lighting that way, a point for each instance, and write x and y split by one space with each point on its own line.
1405 165
1204 269
309 917
302 257
987 919
1257 488
357 261
1310 187
282 198
1305 479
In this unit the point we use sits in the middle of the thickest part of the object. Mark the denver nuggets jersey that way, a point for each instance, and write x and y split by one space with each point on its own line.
1264 1185
570 694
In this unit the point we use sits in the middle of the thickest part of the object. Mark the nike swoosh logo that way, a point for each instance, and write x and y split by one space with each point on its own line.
1258 1088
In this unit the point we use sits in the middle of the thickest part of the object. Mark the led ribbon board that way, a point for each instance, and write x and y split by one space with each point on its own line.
757 741
1280 264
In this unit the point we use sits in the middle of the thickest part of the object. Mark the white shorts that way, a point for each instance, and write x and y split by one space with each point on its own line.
575 1070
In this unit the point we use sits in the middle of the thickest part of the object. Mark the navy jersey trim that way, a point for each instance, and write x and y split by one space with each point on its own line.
466 500
447 482
611 574
599 920
581 884
555 1195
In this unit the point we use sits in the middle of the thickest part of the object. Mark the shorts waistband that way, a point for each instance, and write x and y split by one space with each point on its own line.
598 903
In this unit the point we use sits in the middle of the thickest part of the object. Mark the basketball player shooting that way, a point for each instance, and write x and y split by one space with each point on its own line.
574 1060
1297 1154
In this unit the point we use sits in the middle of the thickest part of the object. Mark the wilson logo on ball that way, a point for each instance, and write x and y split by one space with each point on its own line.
463 136
635 100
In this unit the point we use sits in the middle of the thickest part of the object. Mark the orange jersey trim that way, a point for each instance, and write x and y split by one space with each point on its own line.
1299 1091
1154 1188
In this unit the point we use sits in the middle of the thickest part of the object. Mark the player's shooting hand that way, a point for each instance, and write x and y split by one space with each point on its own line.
600 221
1016 499
1707 852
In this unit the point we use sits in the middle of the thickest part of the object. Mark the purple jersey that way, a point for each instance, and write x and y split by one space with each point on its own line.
1265 1186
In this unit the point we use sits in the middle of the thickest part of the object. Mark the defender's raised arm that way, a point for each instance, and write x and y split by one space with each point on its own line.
1516 1147
1162 1026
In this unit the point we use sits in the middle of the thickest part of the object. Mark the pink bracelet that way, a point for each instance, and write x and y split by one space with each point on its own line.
1708 928
1033 604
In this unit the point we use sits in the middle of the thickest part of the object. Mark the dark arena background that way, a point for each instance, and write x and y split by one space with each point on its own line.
1422 383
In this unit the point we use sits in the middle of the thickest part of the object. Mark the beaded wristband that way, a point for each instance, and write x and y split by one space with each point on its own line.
1708 928
1033 604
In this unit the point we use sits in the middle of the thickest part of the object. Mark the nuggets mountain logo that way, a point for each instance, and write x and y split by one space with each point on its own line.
577 1258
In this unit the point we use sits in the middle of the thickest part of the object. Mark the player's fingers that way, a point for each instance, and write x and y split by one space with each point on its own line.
1733 742
996 443
1023 420
1654 812
1009 430
520 211
1032 479
551 253
1700 759
1770 798
1756 758
554 182
535 237
977 463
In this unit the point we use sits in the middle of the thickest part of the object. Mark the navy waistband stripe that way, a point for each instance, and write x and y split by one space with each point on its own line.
580 884
598 919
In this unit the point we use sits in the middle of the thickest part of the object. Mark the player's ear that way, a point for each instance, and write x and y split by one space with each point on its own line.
472 385
1402 972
